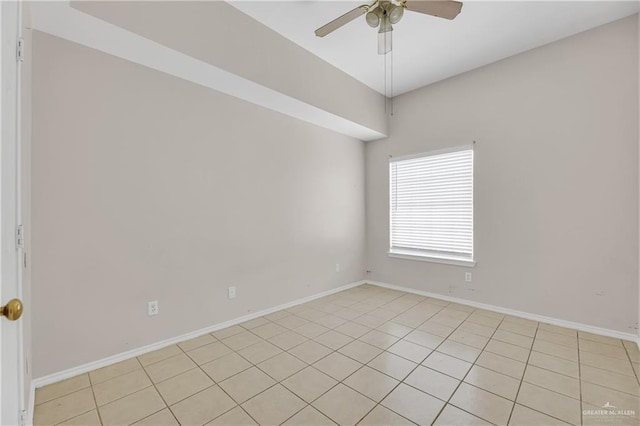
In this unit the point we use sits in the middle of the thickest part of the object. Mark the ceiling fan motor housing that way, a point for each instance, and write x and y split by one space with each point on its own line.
384 12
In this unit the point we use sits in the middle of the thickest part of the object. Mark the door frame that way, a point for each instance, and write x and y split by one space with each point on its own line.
12 364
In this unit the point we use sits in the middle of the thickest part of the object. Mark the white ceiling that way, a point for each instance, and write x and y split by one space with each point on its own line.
428 49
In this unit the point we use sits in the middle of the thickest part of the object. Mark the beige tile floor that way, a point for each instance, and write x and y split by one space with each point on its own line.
366 356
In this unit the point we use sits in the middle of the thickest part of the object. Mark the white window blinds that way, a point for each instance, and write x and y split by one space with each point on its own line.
432 205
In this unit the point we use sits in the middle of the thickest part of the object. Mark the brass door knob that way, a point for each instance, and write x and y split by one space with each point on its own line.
12 310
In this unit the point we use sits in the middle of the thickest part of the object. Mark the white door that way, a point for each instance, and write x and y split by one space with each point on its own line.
11 344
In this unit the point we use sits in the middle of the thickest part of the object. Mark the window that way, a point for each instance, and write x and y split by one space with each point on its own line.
432 206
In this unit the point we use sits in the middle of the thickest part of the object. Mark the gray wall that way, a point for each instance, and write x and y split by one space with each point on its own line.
556 179
146 187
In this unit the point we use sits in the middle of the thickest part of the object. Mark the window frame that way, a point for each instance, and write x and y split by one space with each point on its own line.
444 258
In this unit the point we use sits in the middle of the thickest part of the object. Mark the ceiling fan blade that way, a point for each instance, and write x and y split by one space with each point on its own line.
342 20
441 8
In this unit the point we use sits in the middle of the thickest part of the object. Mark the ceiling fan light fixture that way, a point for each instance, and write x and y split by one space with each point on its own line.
373 17
395 13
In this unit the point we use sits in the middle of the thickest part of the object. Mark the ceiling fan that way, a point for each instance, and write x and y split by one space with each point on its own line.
383 14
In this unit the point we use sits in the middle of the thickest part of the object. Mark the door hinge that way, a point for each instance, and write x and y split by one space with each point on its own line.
20 50
19 237
22 417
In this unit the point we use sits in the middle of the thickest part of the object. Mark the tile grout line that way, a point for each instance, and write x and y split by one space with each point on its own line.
95 399
75 417
66 393
408 374
158 391
467 373
83 413
338 382
215 383
341 382
631 361
515 398
115 377
279 382
443 307
611 371
119 398
591 366
167 406
580 383
124 396
376 403
552 390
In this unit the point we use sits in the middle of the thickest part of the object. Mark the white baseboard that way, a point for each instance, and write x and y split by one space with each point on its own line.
81 369
513 312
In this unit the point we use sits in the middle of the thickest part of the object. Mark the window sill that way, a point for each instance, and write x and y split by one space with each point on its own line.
447 260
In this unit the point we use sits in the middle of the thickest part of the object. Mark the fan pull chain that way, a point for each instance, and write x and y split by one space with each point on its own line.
388 81
386 98
391 84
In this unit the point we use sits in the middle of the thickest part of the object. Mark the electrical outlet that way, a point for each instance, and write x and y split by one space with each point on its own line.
467 277
232 292
600 293
152 308
337 267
